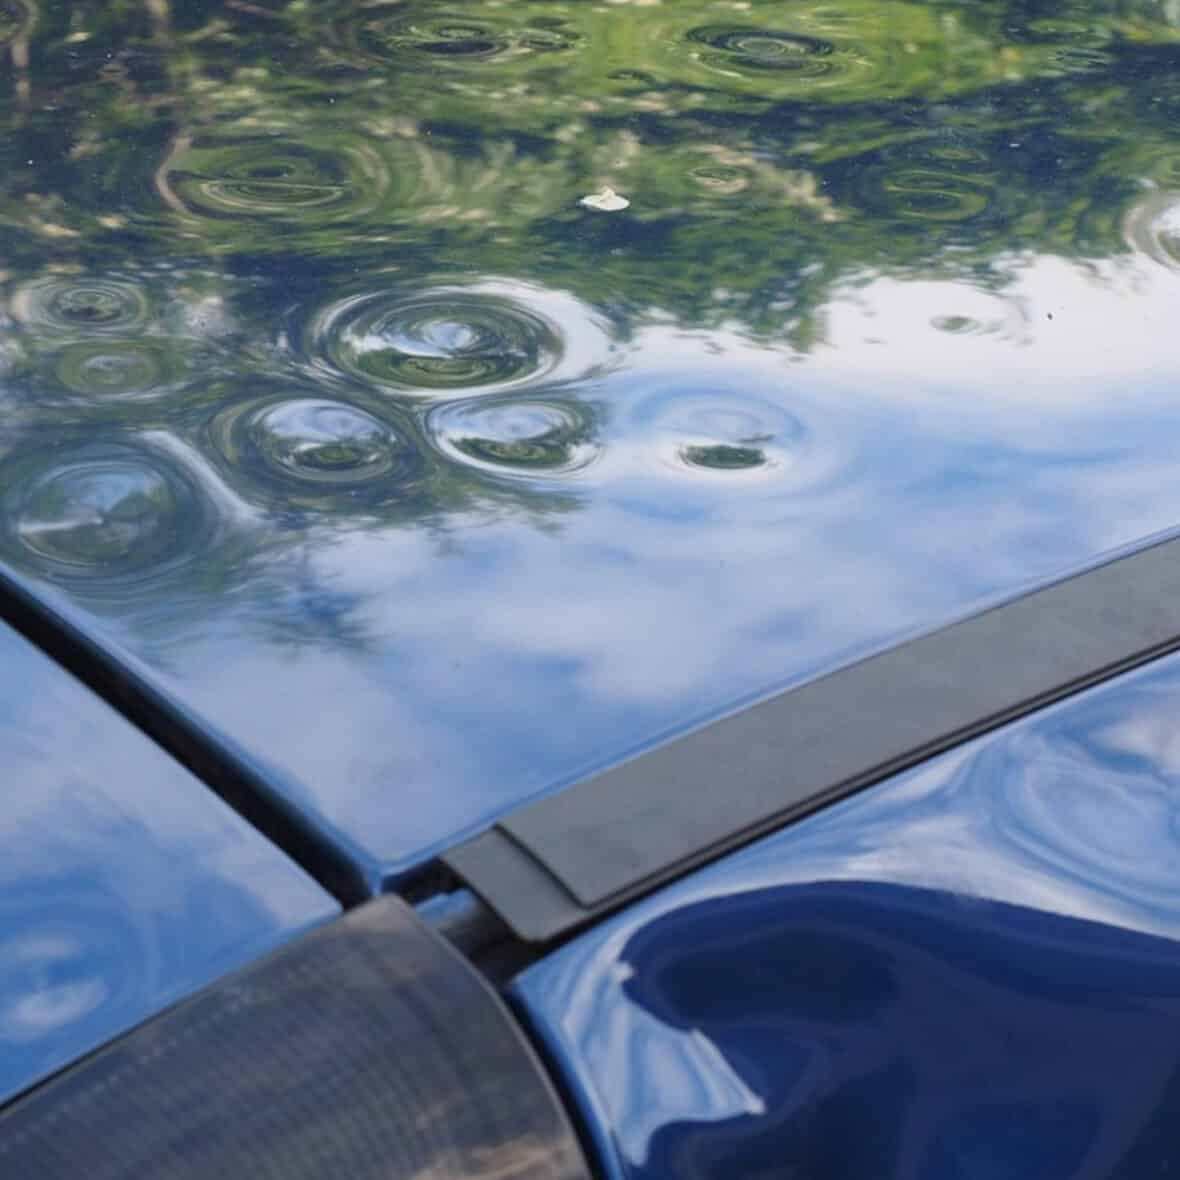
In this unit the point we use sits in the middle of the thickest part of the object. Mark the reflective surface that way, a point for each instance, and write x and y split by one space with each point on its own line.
124 884
331 401
971 970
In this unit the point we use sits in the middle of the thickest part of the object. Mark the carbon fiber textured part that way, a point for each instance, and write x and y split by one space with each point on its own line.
368 1050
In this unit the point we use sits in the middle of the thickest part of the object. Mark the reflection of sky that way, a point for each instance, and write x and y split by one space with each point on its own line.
939 447
124 885
372 220
1058 331
1056 837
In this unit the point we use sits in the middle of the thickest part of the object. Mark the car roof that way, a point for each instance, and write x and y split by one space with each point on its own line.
411 486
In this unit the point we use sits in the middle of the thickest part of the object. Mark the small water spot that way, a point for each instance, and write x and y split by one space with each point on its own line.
723 457
935 317
956 325
719 434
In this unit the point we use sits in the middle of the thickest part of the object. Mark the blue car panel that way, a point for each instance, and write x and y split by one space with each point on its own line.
412 408
345 406
970 970
124 884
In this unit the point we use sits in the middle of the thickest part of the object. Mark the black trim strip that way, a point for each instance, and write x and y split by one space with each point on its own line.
566 859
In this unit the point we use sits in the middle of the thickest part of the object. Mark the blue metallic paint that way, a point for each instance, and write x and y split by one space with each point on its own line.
936 366
972 970
482 674
124 884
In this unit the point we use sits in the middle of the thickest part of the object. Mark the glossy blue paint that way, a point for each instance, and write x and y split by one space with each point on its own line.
971 970
124 884
403 687
426 489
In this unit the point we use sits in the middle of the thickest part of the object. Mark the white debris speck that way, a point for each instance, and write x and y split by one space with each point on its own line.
606 200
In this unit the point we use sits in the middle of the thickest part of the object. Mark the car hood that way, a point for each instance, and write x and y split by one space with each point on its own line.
419 485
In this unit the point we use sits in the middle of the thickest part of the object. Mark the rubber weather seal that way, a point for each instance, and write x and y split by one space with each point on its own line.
369 1049
565 860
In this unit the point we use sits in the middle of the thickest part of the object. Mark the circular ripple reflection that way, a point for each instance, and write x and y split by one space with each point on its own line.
932 194
718 435
937 181
481 338
791 62
273 178
114 368
1071 45
309 449
449 40
448 343
931 323
764 49
1152 227
516 437
80 306
103 513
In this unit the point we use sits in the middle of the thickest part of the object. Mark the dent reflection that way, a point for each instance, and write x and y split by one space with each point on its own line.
124 885
975 965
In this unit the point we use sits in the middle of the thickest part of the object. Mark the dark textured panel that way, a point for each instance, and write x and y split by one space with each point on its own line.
611 836
369 1049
